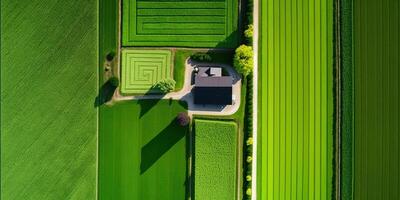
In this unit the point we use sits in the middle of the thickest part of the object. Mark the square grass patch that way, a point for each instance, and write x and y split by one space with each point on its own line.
141 69
215 165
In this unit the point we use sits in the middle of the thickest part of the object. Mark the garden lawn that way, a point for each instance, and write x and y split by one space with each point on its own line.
215 163
187 23
296 100
142 152
48 87
141 69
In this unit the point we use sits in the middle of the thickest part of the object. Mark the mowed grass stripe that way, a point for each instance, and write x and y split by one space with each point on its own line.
296 102
48 86
184 4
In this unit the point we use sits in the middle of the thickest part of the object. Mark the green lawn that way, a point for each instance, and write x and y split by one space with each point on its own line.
296 100
187 23
141 69
376 99
215 163
142 151
48 88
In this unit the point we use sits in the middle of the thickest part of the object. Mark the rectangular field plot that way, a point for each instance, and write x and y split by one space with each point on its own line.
187 23
215 160
141 69
142 151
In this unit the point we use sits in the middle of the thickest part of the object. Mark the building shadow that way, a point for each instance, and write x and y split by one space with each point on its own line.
160 144
106 93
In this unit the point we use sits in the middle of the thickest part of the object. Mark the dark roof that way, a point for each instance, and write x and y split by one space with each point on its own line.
222 81
213 95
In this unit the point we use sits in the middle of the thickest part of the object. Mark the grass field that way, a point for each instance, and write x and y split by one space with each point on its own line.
141 69
142 151
376 98
187 23
215 165
296 100
48 88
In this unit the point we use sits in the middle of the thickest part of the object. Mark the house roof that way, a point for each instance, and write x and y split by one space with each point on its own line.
213 95
211 81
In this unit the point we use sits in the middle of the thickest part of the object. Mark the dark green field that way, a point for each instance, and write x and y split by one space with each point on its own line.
48 89
142 151
376 106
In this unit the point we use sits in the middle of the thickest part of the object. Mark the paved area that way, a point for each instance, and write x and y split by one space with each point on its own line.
185 93
255 97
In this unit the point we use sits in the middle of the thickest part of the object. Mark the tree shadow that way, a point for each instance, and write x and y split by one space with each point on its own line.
106 93
160 144
147 104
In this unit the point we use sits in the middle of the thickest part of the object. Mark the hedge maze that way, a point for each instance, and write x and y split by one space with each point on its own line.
211 23
141 69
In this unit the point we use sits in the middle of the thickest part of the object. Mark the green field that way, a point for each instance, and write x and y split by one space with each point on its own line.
188 23
141 69
48 88
142 151
376 99
295 159
215 166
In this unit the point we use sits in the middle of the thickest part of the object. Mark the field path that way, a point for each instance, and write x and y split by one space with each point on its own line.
185 93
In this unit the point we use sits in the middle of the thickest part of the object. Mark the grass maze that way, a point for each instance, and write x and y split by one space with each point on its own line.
142 68
208 23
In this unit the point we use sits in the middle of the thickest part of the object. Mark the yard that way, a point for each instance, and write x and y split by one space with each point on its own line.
215 159
48 88
296 100
187 23
142 151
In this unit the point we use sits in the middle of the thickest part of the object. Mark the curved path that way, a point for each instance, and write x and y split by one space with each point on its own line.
185 93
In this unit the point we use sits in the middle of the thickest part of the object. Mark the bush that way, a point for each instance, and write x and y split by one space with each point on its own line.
249 141
249 159
248 178
243 59
165 85
248 34
110 56
201 57
183 119
248 191
114 81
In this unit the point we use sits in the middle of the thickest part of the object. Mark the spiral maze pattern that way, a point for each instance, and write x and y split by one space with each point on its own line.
141 69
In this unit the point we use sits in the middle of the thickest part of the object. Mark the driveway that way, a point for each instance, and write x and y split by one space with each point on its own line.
186 95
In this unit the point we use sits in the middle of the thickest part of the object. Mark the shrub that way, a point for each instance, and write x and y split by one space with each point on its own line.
114 81
183 119
248 178
248 34
249 141
201 57
165 85
243 59
110 56
249 159
248 191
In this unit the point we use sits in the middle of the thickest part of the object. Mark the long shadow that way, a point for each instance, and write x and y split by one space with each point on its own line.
106 92
148 104
159 145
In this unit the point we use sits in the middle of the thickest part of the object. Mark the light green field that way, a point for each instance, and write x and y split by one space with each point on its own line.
48 88
188 23
215 166
141 69
296 100
142 151
376 99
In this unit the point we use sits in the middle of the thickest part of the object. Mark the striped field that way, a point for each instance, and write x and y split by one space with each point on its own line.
376 96
187 23
141 69
296 100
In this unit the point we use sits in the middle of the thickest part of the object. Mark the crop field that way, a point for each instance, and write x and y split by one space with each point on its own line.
188 23
142 151
376 100
48 88
296 100
141 69
215 165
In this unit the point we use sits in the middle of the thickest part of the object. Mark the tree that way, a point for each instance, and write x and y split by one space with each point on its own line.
110 56
243 59
248 33
165 85
183 119
114 81
201 57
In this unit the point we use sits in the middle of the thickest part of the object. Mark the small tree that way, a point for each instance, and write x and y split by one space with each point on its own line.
165 85
243 59
114 81
201 57
183 119
248 33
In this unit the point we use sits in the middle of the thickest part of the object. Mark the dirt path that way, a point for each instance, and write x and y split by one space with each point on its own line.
185 94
